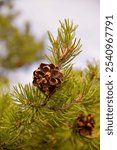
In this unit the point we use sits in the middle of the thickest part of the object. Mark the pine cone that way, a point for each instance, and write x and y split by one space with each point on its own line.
85 125
47 78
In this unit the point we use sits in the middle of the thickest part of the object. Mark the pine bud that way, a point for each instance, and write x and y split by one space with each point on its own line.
47 78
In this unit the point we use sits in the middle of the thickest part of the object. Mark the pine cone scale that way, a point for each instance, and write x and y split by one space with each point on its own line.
85 125
47 78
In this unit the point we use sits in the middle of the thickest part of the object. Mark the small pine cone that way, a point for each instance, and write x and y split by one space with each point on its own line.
85 125
47 78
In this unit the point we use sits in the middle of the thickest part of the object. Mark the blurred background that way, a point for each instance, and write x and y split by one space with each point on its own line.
23 34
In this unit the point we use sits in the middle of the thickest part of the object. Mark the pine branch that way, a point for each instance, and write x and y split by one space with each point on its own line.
26 119
55 114
65 47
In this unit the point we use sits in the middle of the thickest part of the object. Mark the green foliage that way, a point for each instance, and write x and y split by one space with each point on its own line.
3 81
66 46
5 101
31 120
33 125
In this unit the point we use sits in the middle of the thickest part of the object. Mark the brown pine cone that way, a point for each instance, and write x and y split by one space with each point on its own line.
47 78
85 125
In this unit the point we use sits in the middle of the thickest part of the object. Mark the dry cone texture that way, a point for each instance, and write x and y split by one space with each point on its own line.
47 78
85 125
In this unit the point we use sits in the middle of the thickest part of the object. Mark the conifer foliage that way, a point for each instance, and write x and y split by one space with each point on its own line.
60 110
